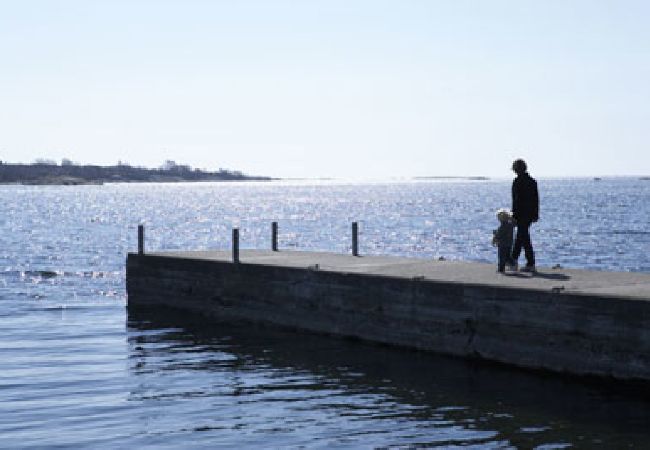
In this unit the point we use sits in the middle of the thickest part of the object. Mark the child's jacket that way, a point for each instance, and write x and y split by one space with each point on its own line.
503 235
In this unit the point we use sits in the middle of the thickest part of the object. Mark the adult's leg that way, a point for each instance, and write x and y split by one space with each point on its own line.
523 240
528 248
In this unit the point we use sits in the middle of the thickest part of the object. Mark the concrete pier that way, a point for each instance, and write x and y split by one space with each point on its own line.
568 321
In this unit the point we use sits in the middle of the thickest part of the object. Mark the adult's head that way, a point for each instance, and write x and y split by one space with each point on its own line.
519 166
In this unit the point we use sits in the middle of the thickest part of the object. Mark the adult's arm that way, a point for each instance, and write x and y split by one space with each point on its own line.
515 199
535 200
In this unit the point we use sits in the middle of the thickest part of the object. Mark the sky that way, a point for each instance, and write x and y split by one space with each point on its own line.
343 89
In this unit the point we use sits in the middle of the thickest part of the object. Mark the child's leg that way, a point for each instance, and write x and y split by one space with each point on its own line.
503 258
511 261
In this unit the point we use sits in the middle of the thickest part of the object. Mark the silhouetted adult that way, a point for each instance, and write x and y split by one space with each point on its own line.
525 211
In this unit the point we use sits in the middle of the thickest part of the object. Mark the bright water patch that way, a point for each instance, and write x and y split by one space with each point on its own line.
77 370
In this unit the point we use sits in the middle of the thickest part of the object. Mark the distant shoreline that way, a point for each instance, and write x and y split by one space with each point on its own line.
477 178
69 174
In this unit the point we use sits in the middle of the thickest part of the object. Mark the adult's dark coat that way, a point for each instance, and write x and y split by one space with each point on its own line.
525 199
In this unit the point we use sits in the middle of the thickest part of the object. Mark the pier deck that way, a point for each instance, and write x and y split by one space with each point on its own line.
588 282
562 320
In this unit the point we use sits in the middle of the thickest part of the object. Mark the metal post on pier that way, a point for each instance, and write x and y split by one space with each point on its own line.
274 236
355 239
235 245
140 239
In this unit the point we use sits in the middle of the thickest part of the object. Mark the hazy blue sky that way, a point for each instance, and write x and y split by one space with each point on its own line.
330 88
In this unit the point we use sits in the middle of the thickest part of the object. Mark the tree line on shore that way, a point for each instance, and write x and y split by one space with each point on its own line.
49 172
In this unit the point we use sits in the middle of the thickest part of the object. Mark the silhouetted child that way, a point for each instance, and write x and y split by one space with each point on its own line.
502 239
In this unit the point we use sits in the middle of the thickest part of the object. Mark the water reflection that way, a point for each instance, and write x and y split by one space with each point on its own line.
249 385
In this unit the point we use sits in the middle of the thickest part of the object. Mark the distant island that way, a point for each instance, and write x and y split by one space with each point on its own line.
435 177
69 173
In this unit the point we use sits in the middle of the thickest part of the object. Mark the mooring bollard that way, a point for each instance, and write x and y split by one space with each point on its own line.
235 245
140 239
355 239
274 236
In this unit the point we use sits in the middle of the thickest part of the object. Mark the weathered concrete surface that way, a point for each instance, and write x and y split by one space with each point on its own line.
579 322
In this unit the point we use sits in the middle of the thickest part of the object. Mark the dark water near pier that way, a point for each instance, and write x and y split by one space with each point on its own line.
78 370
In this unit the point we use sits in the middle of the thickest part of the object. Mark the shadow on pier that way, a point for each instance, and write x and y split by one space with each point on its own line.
524 409
543 275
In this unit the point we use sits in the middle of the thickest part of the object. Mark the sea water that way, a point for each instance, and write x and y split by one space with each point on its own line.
77 370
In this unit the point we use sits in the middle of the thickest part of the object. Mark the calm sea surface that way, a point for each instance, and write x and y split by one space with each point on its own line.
76 370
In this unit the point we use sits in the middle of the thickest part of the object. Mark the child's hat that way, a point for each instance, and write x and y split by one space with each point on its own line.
503 212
